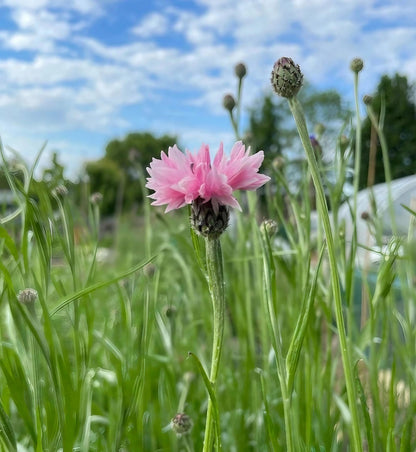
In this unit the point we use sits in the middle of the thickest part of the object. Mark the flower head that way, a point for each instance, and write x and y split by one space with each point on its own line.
181 178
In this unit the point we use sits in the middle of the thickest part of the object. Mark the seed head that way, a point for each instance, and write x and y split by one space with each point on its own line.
181 424
286 78
240 70
357 65
229 102
27 296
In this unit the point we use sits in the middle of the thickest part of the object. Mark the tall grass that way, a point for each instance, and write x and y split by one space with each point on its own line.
99 362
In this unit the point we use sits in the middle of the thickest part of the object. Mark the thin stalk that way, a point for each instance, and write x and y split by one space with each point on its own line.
386 163
357 158
215 277
268 267
296 110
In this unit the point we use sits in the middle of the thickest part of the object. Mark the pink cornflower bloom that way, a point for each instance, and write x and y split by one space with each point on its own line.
183 178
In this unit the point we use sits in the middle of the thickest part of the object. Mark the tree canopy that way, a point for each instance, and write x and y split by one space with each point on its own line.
117 175
272 129
395 100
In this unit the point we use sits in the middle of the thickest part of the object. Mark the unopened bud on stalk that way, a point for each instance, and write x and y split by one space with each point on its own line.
344 141
27 296
269 227
286 78
240 70
181 424
365 215
229 102
367 99
96 198
60 191
357 65
278 162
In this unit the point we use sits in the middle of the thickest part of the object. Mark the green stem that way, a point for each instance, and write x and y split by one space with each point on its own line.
336 288
215 277
357 162
386 164
269 293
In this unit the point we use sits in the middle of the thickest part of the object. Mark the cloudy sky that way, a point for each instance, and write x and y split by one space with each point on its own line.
78 73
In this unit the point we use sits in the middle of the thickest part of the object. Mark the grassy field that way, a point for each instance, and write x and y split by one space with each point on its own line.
97 359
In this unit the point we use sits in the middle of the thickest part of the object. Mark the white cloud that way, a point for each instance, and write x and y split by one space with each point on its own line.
154 24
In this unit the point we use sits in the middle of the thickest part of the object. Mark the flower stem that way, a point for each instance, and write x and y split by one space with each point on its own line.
297 112
215 277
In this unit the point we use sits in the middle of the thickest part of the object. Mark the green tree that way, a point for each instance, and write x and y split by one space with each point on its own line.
395 98
271 127
117 176
106 178
264 129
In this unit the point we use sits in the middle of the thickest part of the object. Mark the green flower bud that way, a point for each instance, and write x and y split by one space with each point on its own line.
240 70
269 227
367 99
229 102
357 65
181 424
96 198
61 191
27 296
286 78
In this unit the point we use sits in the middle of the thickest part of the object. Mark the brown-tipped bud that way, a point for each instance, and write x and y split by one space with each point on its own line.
357 65
61 191
27 296
269 227
96 198
367 99
207 220
286 78
181 424
228 102
240 70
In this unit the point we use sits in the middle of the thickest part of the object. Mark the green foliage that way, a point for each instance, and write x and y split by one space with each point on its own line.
107 178
100 363
393 101
54 174
264 129
117 175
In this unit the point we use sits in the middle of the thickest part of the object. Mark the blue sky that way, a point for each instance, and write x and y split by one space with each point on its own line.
78 73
